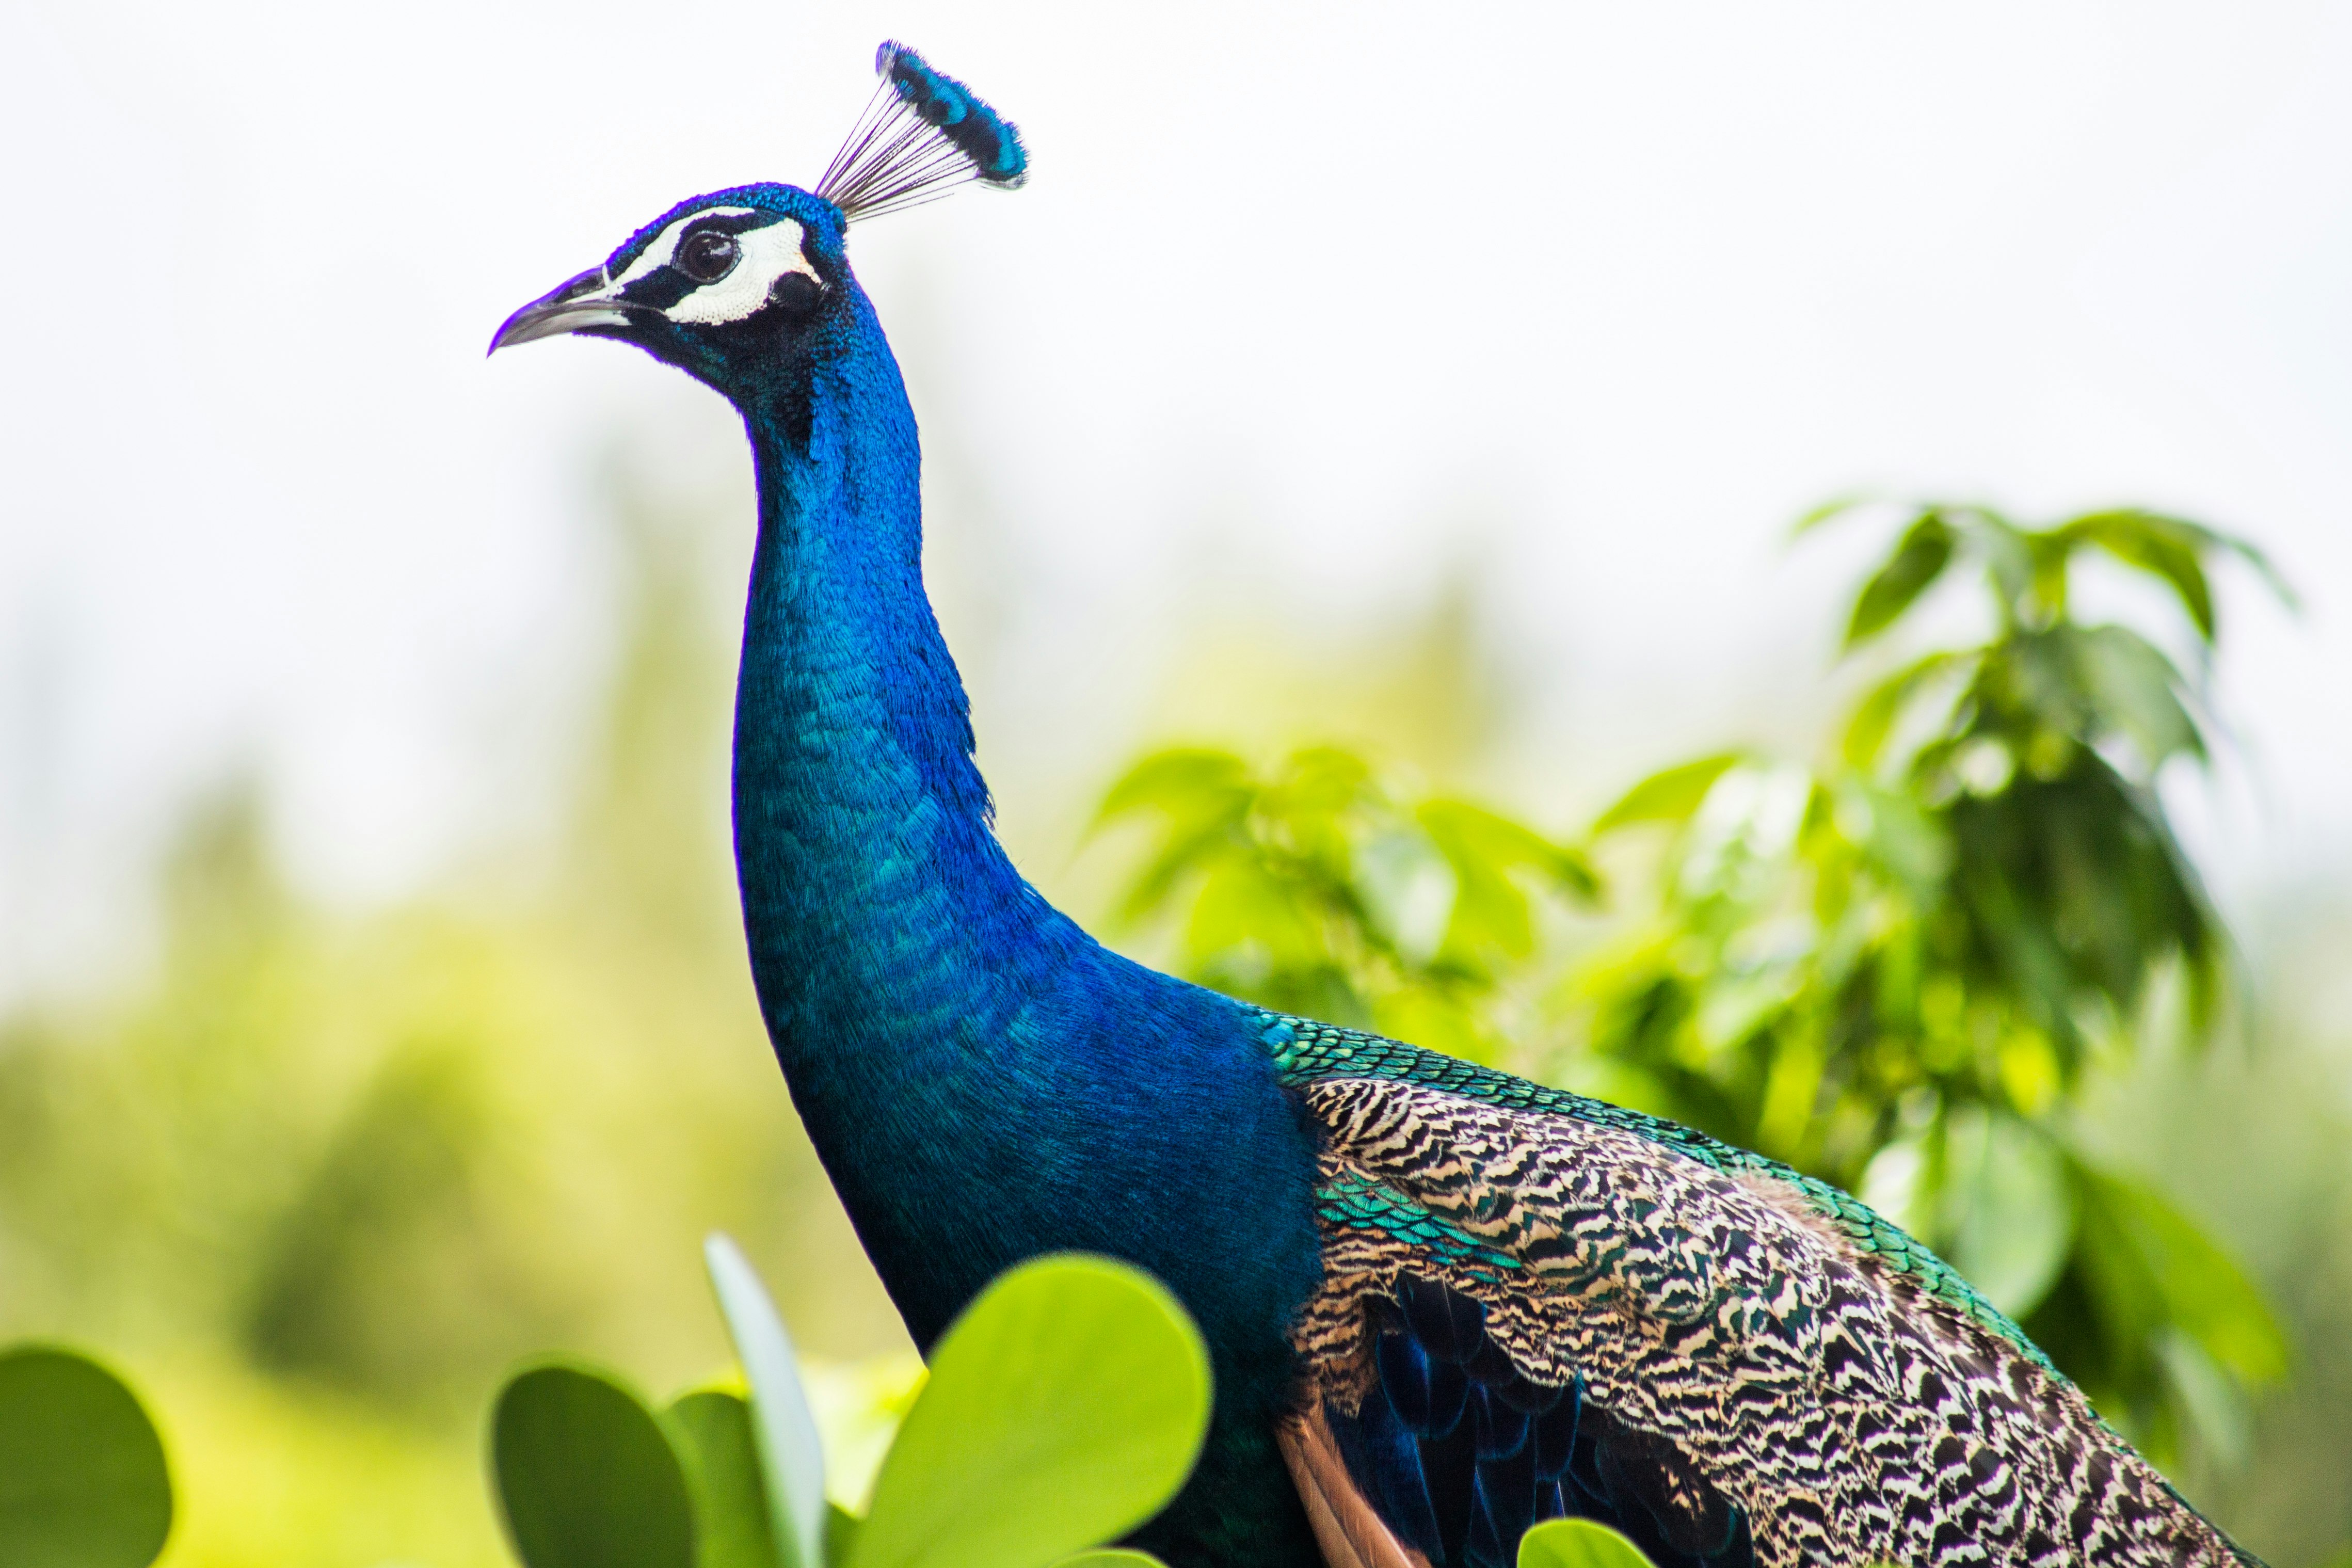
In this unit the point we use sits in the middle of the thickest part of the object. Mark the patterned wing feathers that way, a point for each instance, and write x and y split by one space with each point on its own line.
1743 1373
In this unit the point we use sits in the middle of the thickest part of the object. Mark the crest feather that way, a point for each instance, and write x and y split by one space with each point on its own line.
922 134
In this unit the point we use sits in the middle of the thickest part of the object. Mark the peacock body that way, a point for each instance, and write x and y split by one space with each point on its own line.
1441 1303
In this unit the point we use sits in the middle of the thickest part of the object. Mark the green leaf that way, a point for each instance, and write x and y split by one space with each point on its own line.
1837 506
586 1475
2166 548
712 1431
2201 1288
1876 716
1065 1407
792 1458
1187 783
82 1479
1918 560
1669 795
841 1528
1111 1557
1241 905
1577 1543
2006 553
1468 833
2009 1207
2134 688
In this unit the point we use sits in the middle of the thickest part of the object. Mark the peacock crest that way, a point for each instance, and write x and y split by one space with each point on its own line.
921 134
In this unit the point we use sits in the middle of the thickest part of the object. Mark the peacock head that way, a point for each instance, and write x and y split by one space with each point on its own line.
748 285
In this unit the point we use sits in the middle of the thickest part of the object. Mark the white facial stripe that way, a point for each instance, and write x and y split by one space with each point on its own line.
768 254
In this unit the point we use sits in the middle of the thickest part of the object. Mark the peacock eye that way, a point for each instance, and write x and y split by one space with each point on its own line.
708 255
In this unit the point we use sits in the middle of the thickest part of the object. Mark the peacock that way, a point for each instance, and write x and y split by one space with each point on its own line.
1442 1302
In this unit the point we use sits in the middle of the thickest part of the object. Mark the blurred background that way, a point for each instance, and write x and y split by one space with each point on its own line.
1441 383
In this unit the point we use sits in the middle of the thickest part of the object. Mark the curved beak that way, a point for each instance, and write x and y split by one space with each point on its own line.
587 300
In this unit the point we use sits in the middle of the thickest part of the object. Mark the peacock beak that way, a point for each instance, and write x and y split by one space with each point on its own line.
586 301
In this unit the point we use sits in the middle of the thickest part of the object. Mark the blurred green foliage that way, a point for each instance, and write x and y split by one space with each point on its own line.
1895 970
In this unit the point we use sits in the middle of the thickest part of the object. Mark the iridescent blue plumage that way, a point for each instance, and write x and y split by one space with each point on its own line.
1440 1302
989 141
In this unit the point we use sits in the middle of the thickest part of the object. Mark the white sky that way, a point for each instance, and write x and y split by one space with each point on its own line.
1598 295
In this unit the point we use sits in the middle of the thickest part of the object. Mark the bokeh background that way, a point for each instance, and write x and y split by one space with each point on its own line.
1442 382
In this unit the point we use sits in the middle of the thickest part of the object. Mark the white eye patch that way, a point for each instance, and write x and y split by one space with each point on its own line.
767 253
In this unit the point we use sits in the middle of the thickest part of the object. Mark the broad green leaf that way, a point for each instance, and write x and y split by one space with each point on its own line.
2200 1287
1876 715
2009 1209
1472 833
1669 795
82 1479
2007 557
712 1432
1065 1407
1925 551
1240 906
791 1459
1323 781
1577 1543
2134 688
2216 1404
2049 557
1185 851
1187 784
2166 548
586 1475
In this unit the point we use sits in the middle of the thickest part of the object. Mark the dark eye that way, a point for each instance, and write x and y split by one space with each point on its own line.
708 255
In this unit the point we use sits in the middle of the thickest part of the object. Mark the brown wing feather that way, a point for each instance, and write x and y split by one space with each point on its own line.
1348 1532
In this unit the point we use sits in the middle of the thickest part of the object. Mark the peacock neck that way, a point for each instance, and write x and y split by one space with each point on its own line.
982 1082
873 887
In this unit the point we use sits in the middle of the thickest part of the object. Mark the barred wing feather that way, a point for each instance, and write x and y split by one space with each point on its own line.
1536 1305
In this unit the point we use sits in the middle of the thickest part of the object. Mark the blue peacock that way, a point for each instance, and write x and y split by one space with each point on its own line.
1442 1303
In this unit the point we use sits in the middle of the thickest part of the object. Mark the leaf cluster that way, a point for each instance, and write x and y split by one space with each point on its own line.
1896 969
1317 886
1064 1408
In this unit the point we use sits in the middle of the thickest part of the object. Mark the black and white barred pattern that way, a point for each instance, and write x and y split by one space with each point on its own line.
1854 1417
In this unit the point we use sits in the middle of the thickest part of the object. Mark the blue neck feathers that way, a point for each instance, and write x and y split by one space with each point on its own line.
870 875
983 1081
